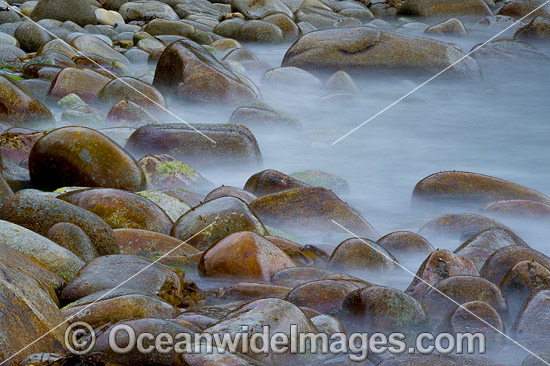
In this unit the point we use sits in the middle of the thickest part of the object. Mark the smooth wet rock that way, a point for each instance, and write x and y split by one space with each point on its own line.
311 209
108 17
372 50
73 238
127 112
295 276
258 31
464 188
271 181
21 108
538 30
481 246
16 143
247 291
163 171
81 156
317 17
243 256
458 226
235 145
382 309
121 209
80 11
508 50
525 9
259 9
504 259
30 318
227 215
439 265
257 115
147 10
290 77
108 272
94 46
187 72
285 22
444 8
402 244
41 250
341 82
227 191
31 36
517 209
173 206
296 252
133 90
532 320
357 255
450 27
39 213
324 296
84 83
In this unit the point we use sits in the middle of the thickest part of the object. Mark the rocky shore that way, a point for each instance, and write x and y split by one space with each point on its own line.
108 217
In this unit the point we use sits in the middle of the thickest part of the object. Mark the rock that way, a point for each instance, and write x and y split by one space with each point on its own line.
504 259
358 255
450 27
39 213
31 36
73 238
341 82
295 276
373 50
481 246
464 188
310 209
173 206
6 192
159 27
163 171
8 40
127 112
229 215
11 55
247 291
317 17
507 50
462 289
458 226
538 30
436 360
285 22
290 77
57 46
81 156
108 17
259 116
108 272
93 46
295 251
84 83
324 296
518 209
229 28
186 71
466 319
16 176
523 9
46 253
80 12
191 198
522 282
133 90
404 243
259 9
532 320
243 256
539 359
147 10
439 265
275 314
259 31
382 309
496 23
226 191
271 181
121 209
444 8
9 15
21 108
31 320
235 145
317 178
100 311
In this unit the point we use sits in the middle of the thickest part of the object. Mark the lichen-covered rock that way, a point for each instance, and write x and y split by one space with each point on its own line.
382 309
226 215
464 188
133 90
186 71
324 296
317 178
163 171
173 206
519 209
235 145
79 12
439 265
483 245
73 238
260 116
121 209
377 51
227 191
84 83
271 181
108 272
31 320
81 156
16 143
404 243
39 213
243 256
21 108
538 30
504 259
444 8
310 209
357 255
459 226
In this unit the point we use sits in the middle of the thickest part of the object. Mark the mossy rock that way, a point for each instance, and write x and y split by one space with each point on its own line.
317 178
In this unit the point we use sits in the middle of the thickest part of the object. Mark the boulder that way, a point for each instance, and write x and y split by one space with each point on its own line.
94 46
147 10
258 31
259 116
500 262
324 296
73 238
30 36
538 30
271 181
259 9
531 322
430 8
359 254
509 51
458 226
84 83
402 244
132 90
450 27
518 209
78 11
227 191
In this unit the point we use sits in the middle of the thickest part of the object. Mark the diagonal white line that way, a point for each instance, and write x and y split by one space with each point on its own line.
9 7
444 295
439 73
104 295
